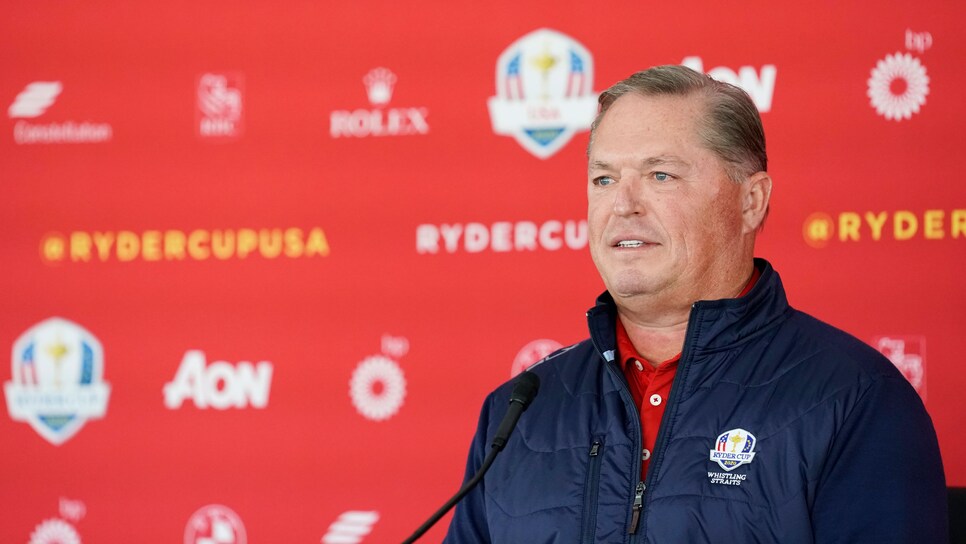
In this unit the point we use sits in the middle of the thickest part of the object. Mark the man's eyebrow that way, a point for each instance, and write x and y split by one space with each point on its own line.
665 159
598 165
649 162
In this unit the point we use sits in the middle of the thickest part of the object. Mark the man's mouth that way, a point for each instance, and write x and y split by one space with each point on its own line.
630 243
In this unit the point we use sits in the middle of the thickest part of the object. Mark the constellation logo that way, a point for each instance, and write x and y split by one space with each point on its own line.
908 353
57 530
759 84
544 91
215 524
351 527
532 353
898 86
378 386
219 106
58 384
34 101
379 120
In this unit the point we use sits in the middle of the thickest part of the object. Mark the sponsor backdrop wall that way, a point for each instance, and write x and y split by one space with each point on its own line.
263 261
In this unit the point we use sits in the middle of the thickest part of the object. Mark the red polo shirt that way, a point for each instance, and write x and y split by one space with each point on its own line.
651 386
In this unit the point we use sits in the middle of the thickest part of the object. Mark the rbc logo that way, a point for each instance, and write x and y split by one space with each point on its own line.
219 112
908 354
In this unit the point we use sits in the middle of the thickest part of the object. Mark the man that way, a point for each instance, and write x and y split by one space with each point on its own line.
702 408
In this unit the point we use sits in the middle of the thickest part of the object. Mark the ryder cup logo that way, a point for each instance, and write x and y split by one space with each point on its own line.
734 448
57 385
544 91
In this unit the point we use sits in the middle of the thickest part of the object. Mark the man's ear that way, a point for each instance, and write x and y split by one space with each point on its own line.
754 202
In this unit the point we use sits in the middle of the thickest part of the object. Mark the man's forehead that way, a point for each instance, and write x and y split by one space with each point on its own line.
676 118
666 114
664 106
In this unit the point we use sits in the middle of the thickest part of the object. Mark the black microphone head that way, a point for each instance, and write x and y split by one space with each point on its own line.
525 389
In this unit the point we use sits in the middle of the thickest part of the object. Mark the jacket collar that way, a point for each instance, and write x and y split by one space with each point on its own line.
713 324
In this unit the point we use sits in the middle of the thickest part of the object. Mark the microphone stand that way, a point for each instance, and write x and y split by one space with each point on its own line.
470 484
525 389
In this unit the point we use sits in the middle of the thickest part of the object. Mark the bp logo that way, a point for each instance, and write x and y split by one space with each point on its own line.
378 385
58 379
544 91
734 448
898 86
54 531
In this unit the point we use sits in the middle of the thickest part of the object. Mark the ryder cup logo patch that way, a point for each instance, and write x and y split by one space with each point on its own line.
544 91
734 448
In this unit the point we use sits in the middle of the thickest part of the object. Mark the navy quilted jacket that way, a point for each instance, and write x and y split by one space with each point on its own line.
779 428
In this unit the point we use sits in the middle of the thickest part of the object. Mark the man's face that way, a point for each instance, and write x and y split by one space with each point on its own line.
664 219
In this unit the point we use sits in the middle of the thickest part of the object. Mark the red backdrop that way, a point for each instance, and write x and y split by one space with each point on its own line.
290 247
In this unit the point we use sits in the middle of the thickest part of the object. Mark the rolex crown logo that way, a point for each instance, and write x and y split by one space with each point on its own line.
379 83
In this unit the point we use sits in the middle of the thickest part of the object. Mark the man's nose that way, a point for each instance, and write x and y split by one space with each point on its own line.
628 200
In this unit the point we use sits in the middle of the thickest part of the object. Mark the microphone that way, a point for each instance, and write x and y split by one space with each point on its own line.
525 389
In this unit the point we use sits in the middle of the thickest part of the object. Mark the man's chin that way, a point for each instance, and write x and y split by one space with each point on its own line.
630 289
630 284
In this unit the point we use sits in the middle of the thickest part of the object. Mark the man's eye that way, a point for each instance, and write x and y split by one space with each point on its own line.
662 176
603 181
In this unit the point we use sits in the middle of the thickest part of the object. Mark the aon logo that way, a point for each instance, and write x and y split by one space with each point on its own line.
219 385
759 84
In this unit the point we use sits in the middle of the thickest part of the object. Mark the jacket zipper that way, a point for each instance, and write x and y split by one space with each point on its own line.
657 458
636 509
639 487
591 492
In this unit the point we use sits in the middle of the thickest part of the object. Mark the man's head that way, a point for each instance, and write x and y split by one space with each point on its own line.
677 188
730 127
